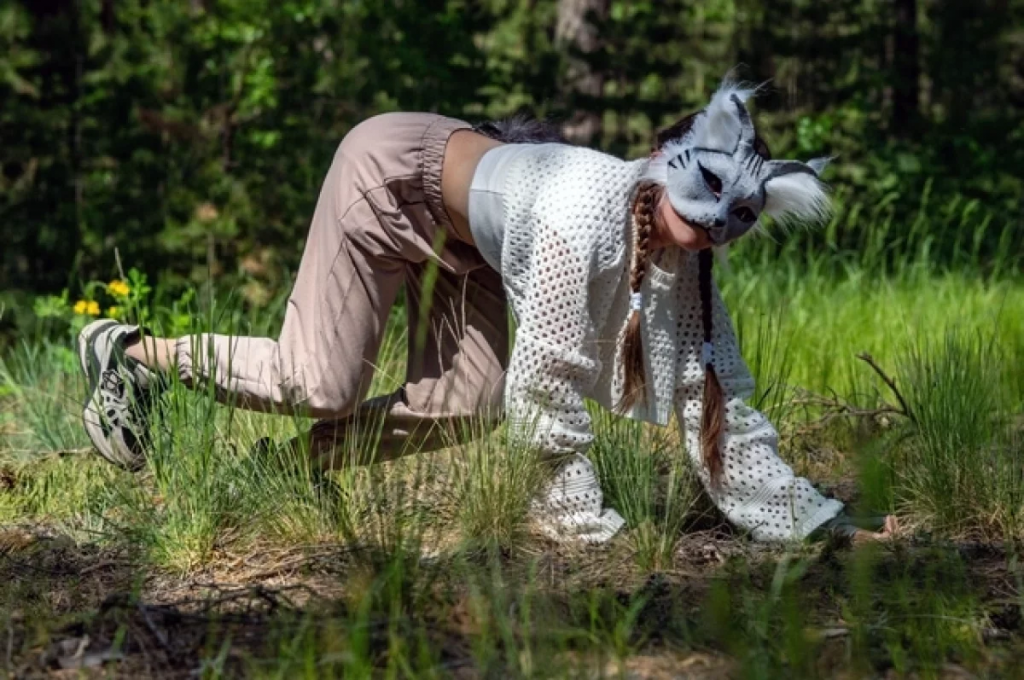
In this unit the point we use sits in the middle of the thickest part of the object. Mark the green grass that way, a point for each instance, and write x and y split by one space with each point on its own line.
428 566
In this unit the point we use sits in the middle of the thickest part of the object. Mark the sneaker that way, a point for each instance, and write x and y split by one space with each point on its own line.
121 392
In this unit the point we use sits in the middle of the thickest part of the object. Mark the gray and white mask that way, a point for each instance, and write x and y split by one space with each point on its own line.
717 181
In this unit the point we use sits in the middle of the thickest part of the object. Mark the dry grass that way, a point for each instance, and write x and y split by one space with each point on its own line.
218 561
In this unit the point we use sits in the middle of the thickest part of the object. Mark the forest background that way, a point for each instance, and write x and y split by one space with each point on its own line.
193 136
159 164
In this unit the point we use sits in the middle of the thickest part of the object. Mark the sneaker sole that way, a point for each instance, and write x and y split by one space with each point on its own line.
92 414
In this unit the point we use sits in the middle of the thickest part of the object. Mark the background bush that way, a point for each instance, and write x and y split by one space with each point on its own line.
193 136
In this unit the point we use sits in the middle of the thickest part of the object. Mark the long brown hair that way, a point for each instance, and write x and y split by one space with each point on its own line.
712 416
634 380
634 375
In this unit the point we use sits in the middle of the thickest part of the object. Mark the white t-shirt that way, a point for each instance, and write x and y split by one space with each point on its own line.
487 197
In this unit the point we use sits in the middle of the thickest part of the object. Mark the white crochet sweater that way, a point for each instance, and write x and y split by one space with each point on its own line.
566 247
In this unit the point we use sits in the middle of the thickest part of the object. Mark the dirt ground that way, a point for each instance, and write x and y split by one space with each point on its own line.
78 609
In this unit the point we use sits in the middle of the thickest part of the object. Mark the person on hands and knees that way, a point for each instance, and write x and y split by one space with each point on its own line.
607 266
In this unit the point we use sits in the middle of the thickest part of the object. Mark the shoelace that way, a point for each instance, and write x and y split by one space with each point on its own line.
127 409
112 383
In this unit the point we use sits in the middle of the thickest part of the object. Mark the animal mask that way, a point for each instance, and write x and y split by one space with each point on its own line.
716 181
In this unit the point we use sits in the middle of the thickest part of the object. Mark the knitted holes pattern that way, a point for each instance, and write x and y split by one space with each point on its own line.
549 256
756 490
566 270
573 504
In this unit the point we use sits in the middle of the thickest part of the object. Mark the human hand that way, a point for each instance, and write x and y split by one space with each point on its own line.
890 529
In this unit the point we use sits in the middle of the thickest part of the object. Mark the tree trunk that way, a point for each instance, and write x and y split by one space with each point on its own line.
76 114
906 68
577 33
108 16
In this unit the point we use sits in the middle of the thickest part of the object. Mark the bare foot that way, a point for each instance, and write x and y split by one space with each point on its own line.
890 529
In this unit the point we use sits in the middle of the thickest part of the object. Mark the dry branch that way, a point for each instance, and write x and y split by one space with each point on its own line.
890 382
832 406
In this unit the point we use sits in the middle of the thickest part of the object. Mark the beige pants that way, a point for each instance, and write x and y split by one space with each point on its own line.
379 223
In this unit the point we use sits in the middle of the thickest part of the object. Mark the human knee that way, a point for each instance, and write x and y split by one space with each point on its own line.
491 398
333 399
477 400
484 402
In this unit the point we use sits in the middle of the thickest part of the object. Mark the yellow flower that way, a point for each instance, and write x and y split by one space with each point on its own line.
114 312
90 307
118 288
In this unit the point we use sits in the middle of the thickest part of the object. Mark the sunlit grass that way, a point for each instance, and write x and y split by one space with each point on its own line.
648 479
437 546
823 323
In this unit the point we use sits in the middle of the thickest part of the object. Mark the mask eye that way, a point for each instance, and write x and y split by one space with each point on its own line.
712 180
745 215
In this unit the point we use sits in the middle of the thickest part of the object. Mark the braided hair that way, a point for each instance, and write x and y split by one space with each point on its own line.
712 417
645 204
634 379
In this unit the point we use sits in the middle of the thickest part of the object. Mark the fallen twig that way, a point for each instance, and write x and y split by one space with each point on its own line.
833 406
870 361
836 407
103 565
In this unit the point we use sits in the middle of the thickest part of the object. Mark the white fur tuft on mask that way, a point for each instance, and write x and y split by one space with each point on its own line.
819 164
796 197
657 166
718 127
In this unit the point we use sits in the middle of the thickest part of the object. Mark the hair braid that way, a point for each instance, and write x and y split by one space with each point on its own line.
634 382
713 406
713 402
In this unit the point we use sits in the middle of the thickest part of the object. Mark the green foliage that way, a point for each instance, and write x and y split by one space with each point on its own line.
432 556
763 626
495 482
37 380
649 481
166 129
194 136
910 613
961 470
191 139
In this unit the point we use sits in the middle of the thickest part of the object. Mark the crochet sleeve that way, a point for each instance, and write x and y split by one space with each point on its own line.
554 363
554 359
758 491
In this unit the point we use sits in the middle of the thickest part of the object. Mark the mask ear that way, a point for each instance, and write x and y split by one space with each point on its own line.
819 164
793 192
719 126
657 166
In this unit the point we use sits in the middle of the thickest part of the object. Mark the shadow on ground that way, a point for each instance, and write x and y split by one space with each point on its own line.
722 610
